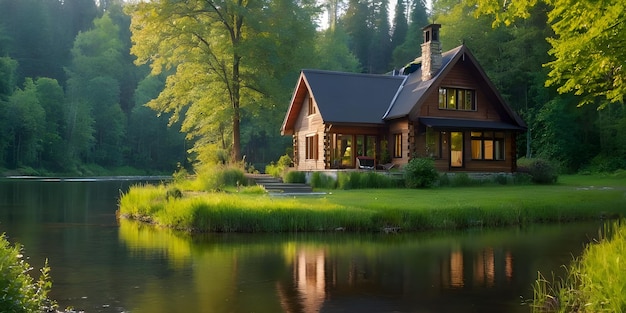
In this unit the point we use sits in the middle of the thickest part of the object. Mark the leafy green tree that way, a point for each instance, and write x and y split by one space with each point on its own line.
94 89
51 97
222 41
333 53
587 45
24 126
151 143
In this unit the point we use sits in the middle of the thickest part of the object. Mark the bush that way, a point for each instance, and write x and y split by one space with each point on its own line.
295 177
19 292
321 180
462 180
541 171
278 169
218 177
420 173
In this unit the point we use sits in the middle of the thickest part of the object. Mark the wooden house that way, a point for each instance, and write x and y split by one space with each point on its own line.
442 106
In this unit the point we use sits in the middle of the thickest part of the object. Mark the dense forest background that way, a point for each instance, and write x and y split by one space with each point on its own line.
73 98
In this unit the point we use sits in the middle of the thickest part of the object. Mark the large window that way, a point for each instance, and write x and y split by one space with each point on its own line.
397 149
433 143
311 147
488 145
457 99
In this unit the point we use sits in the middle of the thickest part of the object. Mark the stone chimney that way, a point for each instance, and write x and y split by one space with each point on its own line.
431 51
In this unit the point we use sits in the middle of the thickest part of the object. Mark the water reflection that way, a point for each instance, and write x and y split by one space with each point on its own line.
339 272
100 266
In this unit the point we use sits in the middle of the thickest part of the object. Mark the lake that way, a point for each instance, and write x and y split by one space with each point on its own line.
102 265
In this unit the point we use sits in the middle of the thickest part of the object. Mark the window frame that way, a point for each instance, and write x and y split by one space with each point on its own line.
459 97
311 107
311 147
397 145
492 145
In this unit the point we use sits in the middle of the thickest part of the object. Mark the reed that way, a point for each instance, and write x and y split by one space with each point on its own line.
596 282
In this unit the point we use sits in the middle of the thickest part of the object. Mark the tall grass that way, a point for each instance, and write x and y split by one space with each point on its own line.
373 209
596 282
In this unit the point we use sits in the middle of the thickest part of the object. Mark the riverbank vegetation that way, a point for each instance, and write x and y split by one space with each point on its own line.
250 209
20 292
596 282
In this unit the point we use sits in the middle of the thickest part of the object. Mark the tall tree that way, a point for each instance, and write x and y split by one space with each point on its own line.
356 22
400 25
94 80
25 126
588 44
410 49
379 55
213 48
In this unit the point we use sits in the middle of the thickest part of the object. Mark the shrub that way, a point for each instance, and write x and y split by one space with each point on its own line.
295 177
501 179
321 180
278 169
541 171
19 292
462 180
218 177
420 173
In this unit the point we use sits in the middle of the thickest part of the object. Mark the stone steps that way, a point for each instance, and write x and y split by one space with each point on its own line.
276 185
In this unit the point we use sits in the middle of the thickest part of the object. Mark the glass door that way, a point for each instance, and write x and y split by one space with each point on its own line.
456 149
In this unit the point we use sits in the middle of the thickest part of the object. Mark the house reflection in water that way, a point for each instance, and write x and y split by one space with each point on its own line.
309 278
319 278
483 268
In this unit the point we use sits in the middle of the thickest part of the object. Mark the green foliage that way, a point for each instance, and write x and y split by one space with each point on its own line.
219 177
541 171
322 181
279 169
373 209
295 177
365 180
420 173
595 282
19 292
462 179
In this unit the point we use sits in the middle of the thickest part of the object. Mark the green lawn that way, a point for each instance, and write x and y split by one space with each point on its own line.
573 198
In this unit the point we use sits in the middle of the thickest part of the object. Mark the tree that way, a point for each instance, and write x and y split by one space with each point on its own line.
588 44
379 55
212 47
24 126
52 99
400 25
95 74
356 22
411 48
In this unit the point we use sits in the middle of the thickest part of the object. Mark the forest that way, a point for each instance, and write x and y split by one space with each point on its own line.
152 85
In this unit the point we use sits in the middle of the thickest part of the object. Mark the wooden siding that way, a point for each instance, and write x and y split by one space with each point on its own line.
305 126
469 165
399 126
462 75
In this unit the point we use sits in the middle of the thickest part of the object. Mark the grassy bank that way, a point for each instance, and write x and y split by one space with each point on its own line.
596 282
574 198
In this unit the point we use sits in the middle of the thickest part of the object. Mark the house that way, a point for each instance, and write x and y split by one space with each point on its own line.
442 106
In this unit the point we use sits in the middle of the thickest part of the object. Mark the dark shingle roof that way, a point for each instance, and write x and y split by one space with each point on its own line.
414 88
351 97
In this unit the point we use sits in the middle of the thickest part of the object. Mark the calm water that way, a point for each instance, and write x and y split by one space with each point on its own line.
99 265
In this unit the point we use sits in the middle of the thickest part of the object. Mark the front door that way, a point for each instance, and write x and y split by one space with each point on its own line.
456 149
